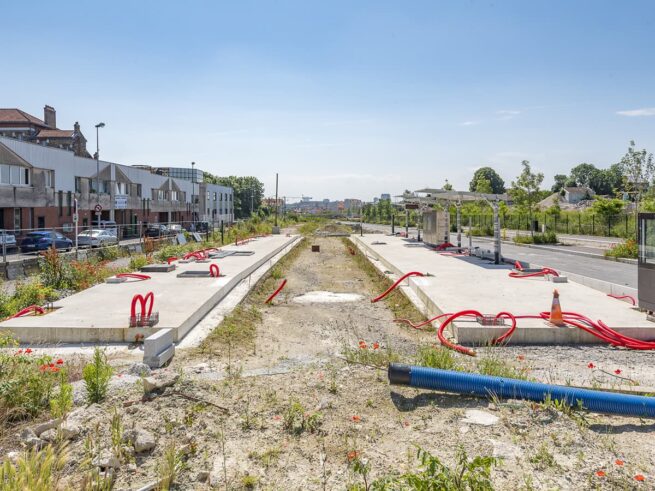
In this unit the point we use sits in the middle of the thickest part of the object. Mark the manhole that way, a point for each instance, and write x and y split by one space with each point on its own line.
158 268
197 274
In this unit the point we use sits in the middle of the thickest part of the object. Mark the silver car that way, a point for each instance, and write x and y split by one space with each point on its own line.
96 238
8 238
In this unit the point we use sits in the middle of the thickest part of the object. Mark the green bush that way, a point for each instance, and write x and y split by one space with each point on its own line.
55 270
96 377
26 380
138 262
109 253
545 238
486 231
627 249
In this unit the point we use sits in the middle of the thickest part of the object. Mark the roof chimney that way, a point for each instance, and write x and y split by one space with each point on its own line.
50 116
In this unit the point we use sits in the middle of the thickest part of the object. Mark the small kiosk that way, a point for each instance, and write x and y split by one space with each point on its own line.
646 261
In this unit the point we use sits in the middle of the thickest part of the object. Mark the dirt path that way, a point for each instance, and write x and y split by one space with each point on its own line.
301 417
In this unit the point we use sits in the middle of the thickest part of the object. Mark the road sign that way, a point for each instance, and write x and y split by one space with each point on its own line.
75 218
120 202
98 208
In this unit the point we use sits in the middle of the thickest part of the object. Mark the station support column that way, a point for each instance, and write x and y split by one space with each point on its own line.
497 254
458 207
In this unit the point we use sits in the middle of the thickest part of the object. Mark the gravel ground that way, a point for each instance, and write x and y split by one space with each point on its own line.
299 416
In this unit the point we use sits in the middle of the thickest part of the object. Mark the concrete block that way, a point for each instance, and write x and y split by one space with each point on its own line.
161 359
15 270
158 342
275 231
559 279
158 348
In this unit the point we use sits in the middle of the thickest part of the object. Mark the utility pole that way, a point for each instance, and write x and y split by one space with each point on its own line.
98 126
276 204
193 195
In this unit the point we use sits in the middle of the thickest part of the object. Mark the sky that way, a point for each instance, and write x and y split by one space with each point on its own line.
344 99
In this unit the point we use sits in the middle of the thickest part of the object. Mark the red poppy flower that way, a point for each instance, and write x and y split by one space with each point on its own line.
19 352
600 473
28 351
617 371
51 365
376 345
520 357
352 455
591 365
619 462
640 477
60 361
356 418
54 369
42 368
362 345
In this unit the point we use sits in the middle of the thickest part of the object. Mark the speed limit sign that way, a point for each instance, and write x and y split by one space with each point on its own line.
98 208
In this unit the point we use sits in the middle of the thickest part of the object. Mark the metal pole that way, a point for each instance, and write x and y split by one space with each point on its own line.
407 223
193 196
4 246
222 233
496 234
459 223
76 220
361 223
393 224
276 205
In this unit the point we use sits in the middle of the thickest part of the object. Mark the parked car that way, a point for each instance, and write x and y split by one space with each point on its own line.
175 228
8 238
157 230
106 225
44 239
96 238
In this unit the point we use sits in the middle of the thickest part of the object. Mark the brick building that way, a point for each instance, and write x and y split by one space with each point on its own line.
39 184
15 123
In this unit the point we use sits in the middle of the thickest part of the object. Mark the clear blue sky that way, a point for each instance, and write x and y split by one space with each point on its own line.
342 98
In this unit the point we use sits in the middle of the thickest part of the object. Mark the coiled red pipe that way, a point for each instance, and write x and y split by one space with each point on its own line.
32 308
171 259
443 246
143 302
393 287
136 276
214 272
279 289
621 297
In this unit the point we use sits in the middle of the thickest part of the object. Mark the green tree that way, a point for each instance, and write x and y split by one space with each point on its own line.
248 192
483 186
525 190
447 186
560 183
607 207
584 174
638 168
497 183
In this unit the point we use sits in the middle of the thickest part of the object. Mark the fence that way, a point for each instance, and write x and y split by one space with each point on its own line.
575 223
16 245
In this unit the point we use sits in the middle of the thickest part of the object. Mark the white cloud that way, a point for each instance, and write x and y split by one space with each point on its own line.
469 123
508 112
644 111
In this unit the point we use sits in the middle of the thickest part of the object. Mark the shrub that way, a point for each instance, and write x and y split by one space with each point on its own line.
27 380
138 262
486 231
55 271
545 238
109 253
62 402
96 376
627 249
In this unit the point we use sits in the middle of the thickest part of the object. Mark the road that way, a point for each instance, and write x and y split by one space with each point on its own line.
614 272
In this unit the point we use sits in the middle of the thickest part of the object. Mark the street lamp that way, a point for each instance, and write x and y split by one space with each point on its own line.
98 126
193 194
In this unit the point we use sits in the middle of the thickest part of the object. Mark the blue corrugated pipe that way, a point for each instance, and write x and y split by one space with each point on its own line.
508 388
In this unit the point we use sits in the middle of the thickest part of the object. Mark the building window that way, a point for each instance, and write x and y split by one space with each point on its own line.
214 195
138 190
121 188
69 198
61 203
4 174
15 174
174 196
78 184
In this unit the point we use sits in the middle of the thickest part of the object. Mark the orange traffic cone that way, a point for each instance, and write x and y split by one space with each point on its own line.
556 317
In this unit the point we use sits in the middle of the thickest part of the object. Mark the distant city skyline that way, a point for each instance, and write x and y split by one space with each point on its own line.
342 99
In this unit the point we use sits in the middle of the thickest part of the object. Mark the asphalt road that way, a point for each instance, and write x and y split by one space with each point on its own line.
614 272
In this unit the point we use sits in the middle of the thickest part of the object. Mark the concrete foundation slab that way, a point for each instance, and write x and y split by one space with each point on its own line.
100 314
158 268
461 283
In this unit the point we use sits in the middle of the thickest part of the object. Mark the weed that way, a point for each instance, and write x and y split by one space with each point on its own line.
138 262
96 376
248 481
474 474
169 467
267 458
62 402
496 366
574 412
543 459
364 355
36 470
117 433
436 357
296 419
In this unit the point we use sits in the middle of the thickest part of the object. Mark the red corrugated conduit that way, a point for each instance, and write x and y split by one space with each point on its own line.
393 287
135 276
28 310
274 294
621 297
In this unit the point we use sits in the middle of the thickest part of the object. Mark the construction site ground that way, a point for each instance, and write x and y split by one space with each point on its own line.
297 404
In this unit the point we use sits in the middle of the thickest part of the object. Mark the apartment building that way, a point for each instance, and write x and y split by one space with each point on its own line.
40 183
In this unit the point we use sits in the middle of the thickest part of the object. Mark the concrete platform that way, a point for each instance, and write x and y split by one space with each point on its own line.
462 283
101 313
